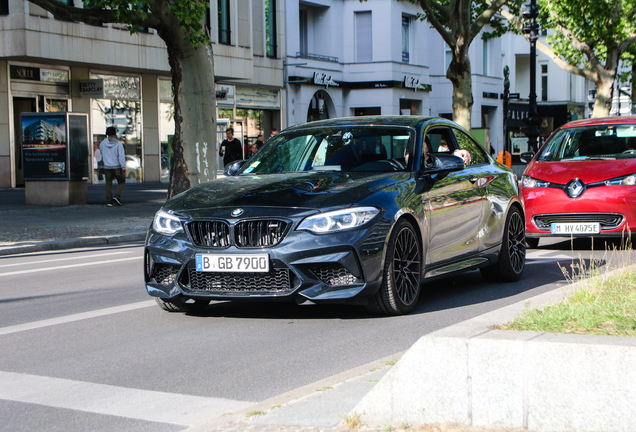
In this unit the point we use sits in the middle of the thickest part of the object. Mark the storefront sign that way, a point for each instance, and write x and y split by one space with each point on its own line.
322 79
221 93
92 88
413 83
54 75
39 74
121 87
257 97
25 73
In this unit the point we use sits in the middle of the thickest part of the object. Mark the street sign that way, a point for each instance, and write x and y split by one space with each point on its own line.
514 96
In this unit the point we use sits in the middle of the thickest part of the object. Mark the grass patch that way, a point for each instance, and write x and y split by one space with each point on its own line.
325 388
605 305
254 413
352 421
390 362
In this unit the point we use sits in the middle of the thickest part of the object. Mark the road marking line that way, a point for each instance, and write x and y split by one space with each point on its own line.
63 259
105 399
75 317
68 266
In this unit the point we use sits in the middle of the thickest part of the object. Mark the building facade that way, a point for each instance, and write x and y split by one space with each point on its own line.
123 80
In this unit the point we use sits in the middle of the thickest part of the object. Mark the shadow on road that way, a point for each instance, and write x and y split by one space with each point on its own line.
458 291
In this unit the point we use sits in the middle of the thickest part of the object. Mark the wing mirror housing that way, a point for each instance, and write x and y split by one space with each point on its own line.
526 157
443 164
232 168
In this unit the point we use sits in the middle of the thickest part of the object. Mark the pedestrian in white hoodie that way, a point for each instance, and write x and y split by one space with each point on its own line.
114 158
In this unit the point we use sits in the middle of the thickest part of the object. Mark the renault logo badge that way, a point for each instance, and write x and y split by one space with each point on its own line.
237 212
575 188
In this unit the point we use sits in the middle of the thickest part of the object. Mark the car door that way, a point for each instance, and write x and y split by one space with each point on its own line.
455 206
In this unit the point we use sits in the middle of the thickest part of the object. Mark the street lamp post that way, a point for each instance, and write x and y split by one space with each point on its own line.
530 27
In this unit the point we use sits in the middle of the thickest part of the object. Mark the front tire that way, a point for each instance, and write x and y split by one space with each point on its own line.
512 256
400 287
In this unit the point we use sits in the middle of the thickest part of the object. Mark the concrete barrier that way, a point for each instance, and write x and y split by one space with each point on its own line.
471 374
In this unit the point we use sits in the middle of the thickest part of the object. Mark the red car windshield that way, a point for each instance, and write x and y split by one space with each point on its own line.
591 142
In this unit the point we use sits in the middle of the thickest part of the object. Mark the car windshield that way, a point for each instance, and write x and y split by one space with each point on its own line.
337 148
591 142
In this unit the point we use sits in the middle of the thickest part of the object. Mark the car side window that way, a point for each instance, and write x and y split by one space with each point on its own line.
465 142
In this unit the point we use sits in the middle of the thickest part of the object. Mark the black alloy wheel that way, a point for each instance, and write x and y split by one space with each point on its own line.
512 256
400 287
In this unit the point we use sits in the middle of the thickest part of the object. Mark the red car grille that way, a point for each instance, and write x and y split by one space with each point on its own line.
606 220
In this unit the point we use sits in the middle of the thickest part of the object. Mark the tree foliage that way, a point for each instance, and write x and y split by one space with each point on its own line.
458 22
590 38
180 24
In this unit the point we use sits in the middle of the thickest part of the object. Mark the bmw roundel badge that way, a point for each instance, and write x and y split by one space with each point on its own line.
237 212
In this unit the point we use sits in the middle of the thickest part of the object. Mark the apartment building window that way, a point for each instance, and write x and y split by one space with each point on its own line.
406 38
544 82
270 28
364 37
486 57
224 22
448 58
4 7
302 27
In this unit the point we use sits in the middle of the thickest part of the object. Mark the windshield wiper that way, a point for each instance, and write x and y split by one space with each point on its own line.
588 158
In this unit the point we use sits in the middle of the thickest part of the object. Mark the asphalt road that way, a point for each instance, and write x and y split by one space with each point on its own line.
80 323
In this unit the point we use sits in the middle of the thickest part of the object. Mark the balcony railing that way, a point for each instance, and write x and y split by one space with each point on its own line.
317 57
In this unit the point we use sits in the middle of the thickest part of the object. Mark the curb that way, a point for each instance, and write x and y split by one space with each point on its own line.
73 243
472 374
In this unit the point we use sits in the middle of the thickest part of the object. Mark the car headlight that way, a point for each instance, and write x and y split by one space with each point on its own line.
531 182
629 180
338 220
166 223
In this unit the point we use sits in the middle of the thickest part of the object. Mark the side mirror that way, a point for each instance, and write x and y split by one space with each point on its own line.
232 168
444 164
526 157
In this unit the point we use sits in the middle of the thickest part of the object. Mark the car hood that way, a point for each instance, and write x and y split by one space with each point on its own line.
299 190
588 171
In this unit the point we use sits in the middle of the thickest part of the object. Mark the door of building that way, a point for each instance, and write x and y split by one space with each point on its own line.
20 105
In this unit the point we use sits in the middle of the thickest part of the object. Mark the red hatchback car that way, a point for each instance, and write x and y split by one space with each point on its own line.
582 182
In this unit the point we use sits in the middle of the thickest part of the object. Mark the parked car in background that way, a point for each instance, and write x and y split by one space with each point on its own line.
359 211
133 168
582 182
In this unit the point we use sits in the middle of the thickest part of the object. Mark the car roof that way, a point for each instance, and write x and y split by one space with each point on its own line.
409 121
600 121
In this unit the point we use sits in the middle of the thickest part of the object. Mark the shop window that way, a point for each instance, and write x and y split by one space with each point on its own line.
318 109
270 28
224 22
120 108
364 37
369 111
166 126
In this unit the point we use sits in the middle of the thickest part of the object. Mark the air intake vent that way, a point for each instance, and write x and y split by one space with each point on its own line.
209 233
277 281
259 233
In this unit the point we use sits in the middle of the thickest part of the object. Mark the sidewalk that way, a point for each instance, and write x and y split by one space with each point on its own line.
28 228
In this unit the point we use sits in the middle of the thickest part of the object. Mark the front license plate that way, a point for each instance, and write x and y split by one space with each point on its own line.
232 263
575 228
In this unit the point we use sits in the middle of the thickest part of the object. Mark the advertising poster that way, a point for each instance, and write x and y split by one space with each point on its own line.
44 146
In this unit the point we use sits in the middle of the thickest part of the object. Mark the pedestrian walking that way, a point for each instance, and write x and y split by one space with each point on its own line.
230 148
114 158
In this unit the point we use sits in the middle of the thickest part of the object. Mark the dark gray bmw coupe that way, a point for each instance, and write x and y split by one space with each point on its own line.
360 211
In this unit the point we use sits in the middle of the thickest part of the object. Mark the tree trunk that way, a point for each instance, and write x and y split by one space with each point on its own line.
604 95
459 73
194 142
